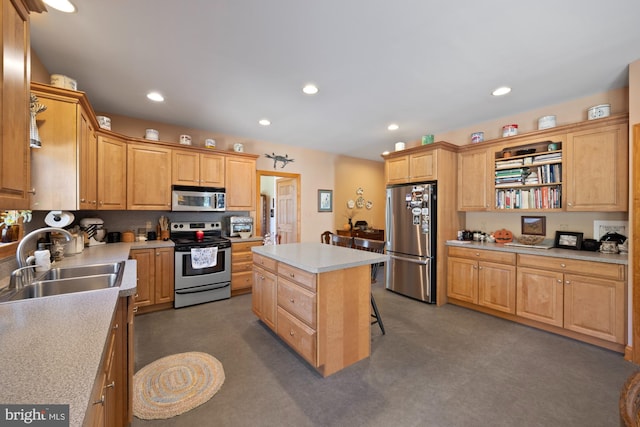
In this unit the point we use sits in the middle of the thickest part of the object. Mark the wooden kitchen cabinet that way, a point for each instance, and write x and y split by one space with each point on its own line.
111 399
580 296
597 168
263 298
148 177
242 266
69 141
199 169
156 288
240 179
474 180
15 74
415 167
485 278
111 173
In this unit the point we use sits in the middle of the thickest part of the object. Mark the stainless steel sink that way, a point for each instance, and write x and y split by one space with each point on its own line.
67 280
83 271
45 288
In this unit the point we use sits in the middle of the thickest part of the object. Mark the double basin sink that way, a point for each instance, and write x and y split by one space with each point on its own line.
66 280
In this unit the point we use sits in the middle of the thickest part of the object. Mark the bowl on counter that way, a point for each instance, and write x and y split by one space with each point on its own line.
244 234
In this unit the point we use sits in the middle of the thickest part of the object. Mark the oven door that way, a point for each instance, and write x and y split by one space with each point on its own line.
187 277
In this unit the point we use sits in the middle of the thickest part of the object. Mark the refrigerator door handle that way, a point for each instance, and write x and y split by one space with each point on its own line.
415 261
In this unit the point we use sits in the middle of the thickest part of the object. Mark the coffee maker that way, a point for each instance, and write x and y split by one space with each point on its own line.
94 227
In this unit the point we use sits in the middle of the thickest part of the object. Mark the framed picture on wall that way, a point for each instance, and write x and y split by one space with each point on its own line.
325 200
568 240
534 225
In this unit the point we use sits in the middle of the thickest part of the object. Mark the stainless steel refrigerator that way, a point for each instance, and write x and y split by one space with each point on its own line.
411 240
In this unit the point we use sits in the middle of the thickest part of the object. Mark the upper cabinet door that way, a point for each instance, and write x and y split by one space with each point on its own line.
240 178
112 173
397 170
14 108
597 169
148 177
473 180
212 170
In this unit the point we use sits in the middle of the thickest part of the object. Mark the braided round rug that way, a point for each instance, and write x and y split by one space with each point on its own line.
175 384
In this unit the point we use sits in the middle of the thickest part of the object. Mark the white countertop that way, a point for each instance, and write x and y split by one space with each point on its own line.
319 257
52 346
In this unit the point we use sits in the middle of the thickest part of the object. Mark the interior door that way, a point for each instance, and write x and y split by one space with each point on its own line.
286 224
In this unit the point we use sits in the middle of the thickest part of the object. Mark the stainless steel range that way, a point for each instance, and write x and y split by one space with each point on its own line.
202 263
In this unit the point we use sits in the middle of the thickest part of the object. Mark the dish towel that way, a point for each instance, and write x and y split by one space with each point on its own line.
204 257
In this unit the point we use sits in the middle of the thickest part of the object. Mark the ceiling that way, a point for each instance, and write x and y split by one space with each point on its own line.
429 66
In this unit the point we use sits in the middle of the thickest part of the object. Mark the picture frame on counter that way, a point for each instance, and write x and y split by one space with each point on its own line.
534 225
568 240
325 200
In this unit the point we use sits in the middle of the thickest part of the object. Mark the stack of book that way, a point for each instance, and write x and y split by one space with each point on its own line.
509 177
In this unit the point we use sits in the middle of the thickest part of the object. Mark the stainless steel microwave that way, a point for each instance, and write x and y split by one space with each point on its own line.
201 199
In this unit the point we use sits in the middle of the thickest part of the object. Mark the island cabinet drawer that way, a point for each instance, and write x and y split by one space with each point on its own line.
264 262
298 335
301 277
298 301
483 255
567 265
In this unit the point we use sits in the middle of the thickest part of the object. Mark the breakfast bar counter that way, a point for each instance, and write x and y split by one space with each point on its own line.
317 299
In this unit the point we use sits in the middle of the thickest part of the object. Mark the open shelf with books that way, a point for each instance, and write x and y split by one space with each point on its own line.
529 177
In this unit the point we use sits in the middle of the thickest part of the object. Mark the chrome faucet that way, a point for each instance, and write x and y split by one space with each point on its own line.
21 277
20 251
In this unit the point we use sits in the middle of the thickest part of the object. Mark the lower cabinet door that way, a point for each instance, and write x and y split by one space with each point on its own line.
595 307
462 280
497 286
540 295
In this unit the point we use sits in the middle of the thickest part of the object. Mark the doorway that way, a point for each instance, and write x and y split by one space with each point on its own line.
278 205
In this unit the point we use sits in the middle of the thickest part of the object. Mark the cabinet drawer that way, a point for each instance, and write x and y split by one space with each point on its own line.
298 335
567 265
301 277
483 255
238 267
241 280
241 257
297 301
264 262
244 246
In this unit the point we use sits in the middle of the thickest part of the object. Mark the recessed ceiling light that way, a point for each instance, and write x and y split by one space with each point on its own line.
501 91
384 153
61 5
155 96
310 89
264 122
393 126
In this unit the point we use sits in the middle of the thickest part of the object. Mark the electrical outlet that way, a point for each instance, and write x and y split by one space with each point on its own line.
564 227
148 225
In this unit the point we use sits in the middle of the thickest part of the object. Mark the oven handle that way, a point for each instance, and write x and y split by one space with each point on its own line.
203 289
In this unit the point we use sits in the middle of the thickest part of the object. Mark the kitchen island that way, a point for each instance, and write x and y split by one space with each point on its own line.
317 299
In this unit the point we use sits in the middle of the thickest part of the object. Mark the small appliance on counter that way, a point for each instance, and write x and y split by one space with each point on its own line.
94 227
238 224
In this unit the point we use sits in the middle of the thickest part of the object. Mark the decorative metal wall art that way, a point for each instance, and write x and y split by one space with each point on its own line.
278 158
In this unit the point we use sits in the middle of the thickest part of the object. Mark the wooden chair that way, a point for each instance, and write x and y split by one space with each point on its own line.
630 401
376 246
338 240
326 237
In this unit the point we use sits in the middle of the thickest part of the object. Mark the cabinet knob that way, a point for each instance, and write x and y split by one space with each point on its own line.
559 281
32 191
291 333
479 268
99 402
567 282
477 253
475 267
563 265
112 385
291 300
83 199
116 326
101 203
292 275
